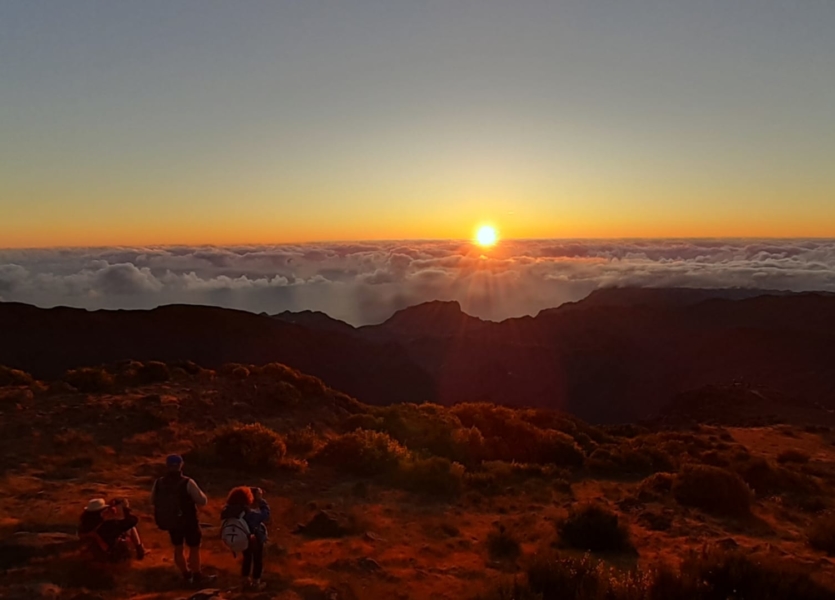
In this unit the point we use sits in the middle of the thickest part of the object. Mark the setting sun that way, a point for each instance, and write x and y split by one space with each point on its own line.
486 235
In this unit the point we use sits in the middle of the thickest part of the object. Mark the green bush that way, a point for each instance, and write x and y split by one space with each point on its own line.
90 379
501 544
767 479
595 528
363 452
14 377
249 446
655 487
713 490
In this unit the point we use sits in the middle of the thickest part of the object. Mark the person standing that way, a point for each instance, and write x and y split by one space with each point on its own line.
176 499
247 511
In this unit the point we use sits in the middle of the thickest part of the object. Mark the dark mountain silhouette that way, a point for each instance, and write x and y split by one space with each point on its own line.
619 355
46 342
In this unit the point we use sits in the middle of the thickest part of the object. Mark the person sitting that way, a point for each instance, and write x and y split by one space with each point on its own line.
239 506
109 528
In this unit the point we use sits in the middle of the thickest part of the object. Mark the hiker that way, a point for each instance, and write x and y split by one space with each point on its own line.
109 530
175 498
243 530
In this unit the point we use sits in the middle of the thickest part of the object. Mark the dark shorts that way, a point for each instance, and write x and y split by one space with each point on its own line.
190 534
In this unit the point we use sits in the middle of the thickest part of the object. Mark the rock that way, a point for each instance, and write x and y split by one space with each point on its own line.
324 524
24 546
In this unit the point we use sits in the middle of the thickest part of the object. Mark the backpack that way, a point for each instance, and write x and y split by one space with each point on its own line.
235 533
168 502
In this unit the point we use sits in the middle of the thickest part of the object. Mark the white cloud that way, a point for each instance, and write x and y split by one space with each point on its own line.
366 282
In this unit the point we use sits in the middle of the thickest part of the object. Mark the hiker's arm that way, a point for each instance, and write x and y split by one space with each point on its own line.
264 514
196 494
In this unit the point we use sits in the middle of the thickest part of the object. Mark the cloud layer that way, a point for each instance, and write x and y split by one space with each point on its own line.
366 282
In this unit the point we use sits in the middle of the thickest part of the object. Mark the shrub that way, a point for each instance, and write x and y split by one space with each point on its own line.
766 479
793 456
363 452
595 528
152 372
90 379
14 377
707 575
655 487
712 489
249 446
434 476
822 535
302 441
501 544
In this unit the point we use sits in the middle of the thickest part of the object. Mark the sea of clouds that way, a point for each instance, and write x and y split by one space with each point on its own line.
366 282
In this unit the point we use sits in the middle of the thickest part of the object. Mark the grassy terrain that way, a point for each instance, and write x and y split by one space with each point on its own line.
470 501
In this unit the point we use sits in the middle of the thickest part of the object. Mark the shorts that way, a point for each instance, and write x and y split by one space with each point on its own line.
190 534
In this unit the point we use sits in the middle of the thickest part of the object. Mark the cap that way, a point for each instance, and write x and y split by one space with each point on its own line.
174 460
95 505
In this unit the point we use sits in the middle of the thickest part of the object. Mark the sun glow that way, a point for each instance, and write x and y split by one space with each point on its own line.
486 236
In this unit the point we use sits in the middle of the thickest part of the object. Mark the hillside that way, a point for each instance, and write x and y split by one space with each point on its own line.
409 501
618 356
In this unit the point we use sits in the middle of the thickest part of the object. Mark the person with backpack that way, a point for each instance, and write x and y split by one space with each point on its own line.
176 498
109 530
243 531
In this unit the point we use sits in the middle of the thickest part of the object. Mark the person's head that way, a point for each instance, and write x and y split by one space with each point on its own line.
240 496
174 463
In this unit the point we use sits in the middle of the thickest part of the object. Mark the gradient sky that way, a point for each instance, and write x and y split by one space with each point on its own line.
161 122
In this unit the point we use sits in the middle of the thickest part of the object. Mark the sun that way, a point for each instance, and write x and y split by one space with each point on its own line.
486 236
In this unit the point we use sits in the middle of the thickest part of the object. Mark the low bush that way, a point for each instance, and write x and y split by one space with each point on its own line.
711 574
501 544
302 441
713 490
152 372
90 379
363 452
433 476
767 479
655 487
595 528
250 446
793 456
14 377
822 534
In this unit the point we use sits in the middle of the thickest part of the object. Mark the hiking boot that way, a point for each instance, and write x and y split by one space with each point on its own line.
257 585
203 579
140 552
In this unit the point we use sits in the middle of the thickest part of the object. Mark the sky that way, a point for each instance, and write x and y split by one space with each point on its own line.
193 123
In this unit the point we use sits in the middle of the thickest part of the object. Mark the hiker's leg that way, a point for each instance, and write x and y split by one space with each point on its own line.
257 558
246 565
180 559
133 534
193 539
194 559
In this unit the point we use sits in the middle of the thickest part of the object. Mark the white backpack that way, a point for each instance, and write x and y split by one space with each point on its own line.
235 533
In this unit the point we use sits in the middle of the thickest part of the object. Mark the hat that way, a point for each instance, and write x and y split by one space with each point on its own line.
174 460
95 505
